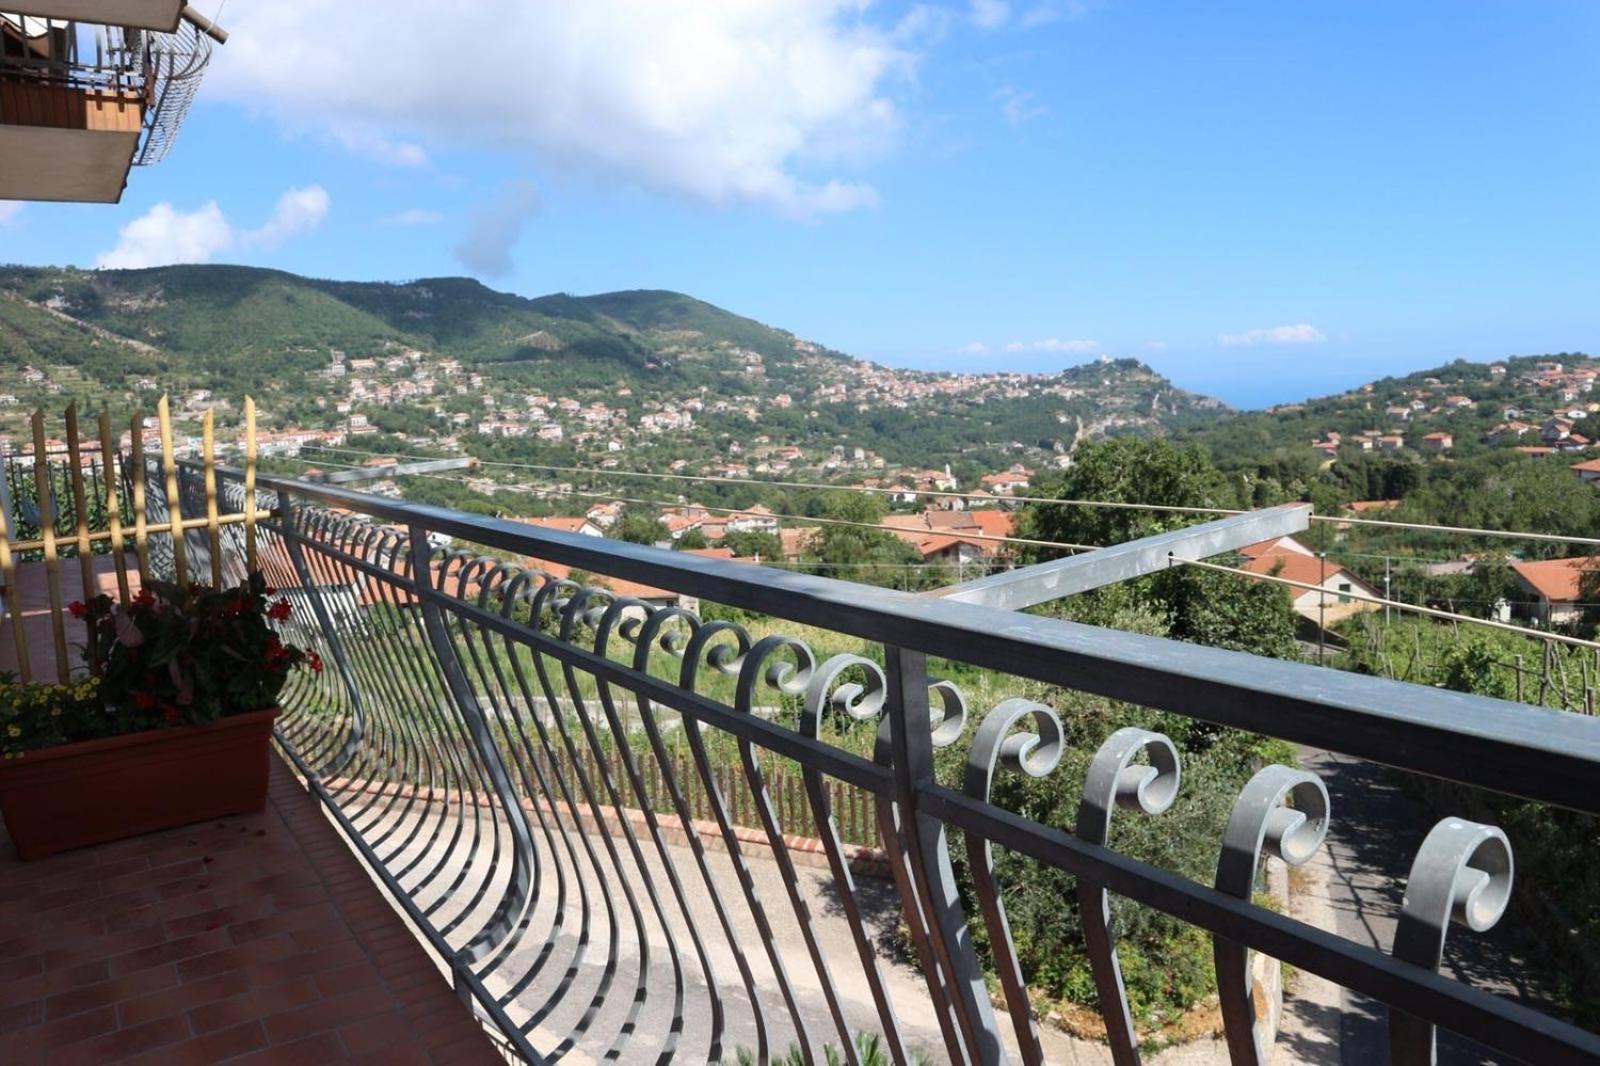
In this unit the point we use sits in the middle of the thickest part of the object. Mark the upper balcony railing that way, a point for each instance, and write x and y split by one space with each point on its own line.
159 72
595 806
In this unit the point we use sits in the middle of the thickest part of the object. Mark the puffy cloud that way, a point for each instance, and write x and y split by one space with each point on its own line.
165 235
1300 333
9 210
492 231
298 211
414 216
990 14
1018 105
1046 344
1054 344
723 102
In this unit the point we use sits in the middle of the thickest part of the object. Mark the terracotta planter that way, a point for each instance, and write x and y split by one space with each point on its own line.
115 787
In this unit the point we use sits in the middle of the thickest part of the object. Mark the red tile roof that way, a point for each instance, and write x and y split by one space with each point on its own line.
1557 580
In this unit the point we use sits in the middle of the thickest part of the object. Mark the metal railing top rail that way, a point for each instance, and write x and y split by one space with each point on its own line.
1506 747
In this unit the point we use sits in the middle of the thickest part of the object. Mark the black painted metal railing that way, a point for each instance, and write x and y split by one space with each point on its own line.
515 754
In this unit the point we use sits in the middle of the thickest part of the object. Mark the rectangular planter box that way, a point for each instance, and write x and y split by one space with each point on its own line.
96 791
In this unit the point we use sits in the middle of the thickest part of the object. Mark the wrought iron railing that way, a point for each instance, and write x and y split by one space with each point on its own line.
470 738
160 70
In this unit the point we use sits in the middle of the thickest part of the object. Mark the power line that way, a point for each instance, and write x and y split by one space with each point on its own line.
1431 612
1554 538
807 519
819 486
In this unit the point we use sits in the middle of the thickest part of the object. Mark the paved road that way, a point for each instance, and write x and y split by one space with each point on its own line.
1375 830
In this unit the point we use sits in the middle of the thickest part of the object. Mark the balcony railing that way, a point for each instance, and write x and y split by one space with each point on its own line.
159 72
505 750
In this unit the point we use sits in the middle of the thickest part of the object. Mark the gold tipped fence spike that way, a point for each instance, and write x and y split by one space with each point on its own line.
249 502
141 530
119 553
169 469
208 455
47 539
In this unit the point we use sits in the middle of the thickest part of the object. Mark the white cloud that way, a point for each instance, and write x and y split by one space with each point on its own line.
492 231
165 235
974 348
724 102
414 216
298 211
990 14
1301 333
9 210
1054 344
1018 105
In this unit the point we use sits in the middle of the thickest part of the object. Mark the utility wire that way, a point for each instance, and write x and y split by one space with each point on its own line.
1554 538
1431 612
807 519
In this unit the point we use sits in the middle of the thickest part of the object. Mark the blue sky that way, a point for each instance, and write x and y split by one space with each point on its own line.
1263 200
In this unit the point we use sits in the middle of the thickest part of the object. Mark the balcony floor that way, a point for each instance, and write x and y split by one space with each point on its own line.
254 939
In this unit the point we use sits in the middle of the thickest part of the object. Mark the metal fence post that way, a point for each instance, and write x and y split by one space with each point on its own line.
519 889
928 852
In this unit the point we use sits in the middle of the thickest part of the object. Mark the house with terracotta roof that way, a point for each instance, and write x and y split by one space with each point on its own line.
580 524
1587 471
1438 442
1285 544
758 519
930 532
1332 603
1557 586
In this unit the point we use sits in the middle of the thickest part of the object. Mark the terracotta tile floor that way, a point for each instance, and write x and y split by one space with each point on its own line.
255 939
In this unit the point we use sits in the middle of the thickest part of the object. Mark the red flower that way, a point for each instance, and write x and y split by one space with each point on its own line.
279 611
144 598
143 700
269 591
77 609
169 713
314 661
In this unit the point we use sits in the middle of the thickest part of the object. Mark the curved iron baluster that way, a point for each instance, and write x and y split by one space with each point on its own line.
1463 874
995 747
860 703
622 617
547 598
654 633
707 647
763 666
586 605
1115 780
536 786
1261 821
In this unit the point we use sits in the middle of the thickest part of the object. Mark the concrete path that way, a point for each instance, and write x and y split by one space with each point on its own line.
1354 887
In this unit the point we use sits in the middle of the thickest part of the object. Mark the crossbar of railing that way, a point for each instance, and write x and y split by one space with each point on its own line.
470 743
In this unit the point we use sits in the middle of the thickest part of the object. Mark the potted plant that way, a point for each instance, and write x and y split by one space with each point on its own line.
172 725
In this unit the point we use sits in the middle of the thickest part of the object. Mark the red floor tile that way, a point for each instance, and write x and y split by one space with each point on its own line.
255 939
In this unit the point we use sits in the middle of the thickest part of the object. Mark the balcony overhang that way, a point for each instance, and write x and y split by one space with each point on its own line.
144 14
64 143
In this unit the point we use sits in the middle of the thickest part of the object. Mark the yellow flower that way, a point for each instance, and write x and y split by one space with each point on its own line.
13 731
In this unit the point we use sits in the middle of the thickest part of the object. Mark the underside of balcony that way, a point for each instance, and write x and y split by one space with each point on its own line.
259 937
